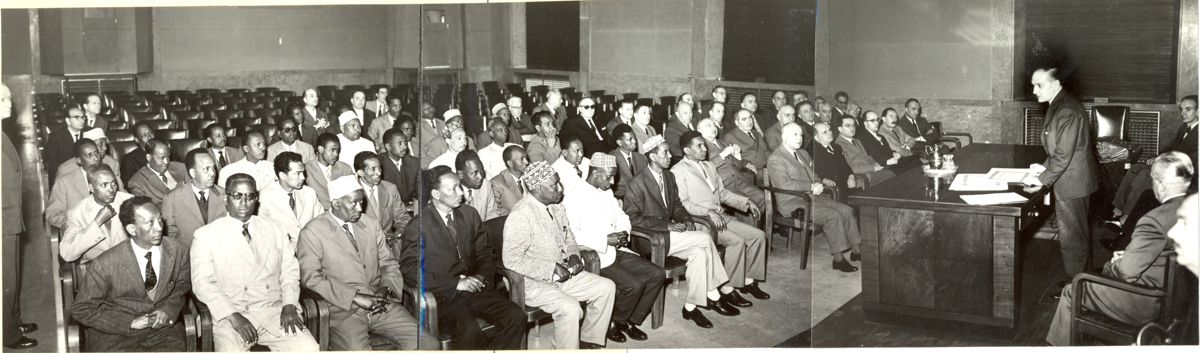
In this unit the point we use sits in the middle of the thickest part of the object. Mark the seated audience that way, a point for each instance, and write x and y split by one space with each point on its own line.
456 139
554 106
856 155
748 139
107 156
315 120
791 168
379 105
676 127
914 124
74 185
600 224
385 121
806 118
825 111
217 140
90 226
545 145
358 103
289 141
356 284
288 201
433 143
399 166
253 163
66 135
703 193
594 136
240 251
501 112
133 161
159 176
786 115
521 120
449 253
873 142
490 155
1137 181
201 201
539 245
571 166
641 124
507 183
830 162
761 121
326 167
384 204
841 106
629 162
716 113
1143 262
477 191
737 175
624 116
897 139
778 100
131 296
351 139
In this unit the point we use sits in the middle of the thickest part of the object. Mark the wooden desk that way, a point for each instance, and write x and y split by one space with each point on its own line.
943 259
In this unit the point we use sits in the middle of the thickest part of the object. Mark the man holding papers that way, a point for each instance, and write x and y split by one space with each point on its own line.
1070 168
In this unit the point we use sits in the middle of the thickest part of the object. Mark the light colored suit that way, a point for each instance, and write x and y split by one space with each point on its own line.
273 204
701 190
485 200
319 181
540 149
788 173
255 278
643 133
73 164
149 184
389 210
754 149
84 239
305 150
335 268
231 155
898 140
379 126
432 142
734 175
263 172
860 162
181 211
507 189
67 193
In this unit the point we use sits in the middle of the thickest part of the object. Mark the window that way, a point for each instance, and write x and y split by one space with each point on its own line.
1122 50
769 41
552 35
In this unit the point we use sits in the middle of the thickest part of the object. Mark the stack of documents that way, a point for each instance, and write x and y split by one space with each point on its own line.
993 199
977 182
1011 175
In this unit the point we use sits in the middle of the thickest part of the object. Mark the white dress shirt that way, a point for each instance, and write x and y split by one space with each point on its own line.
492 157
446 159
140 255
353 148
568 176
594 214
263 172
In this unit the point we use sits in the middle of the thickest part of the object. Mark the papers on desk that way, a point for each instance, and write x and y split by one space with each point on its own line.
993 199
977 182
1010 175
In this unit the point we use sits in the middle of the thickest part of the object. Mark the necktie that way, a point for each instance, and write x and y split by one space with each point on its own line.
372 198
203 207
797 154
76 137
662 188
578 172
593 127
453 233
470 198
632 169
90 124
292 201
108 223
829 149
221 159
350 235
249 242
702 171
151 277
520 188
163 175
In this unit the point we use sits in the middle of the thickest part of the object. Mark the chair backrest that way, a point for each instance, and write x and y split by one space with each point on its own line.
188 115
160 124
1180 290
171 134
1110 121
123 147
135 118
180 147
196 127
119 135
495 232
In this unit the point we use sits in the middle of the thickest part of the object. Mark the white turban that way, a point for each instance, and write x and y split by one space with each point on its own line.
450 114
343 186
347 116
94 134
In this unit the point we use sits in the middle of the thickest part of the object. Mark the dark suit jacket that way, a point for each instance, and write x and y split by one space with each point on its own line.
1143 262
60 148
773 137
878 149
504 185
308 130
146 183
560 114
525 125
405 178
831 166
921 129
12 171
1185 141
754 150
100 122
1068 142
671 134
113 293
428 248
645 207
131 163
625 173
576 126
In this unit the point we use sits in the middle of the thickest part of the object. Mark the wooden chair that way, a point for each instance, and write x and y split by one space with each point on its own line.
115 135
316 319
171 134
655 246
800 221
1178 293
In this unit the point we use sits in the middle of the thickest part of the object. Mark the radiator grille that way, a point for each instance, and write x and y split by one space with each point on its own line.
100 84
554 82
1143 129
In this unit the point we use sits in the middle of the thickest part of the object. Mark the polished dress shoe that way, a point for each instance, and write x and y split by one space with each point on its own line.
697 317
735 299
589 345
753 290
634 332
22 343
721 307
28 328
615 334
844 266
856 257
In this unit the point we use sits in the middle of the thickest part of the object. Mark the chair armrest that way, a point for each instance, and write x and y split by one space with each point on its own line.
591 259
74 344
423 308
658 245
1080 279
516 286
970 139
712 228
316 316
205 323
191 328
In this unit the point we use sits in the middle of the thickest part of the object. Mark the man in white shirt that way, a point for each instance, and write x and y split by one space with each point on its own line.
358 102
457 142
571 166
289 141
91 228
624 116
477 191
600 224
351 138
288 201
493 161
255 150
379 105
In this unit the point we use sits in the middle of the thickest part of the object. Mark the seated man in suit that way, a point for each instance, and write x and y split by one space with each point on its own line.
245 270
727 159
477 191
824 111
103 149
791 168
629 162
456 141
90 228
450 248
545 145
897 139
133 161
91 113
358 103
433 144
914 124
327 167
716 113
539 245
253 163
67 135
346 260
199 202
571 166
830 163
873 142
314 121
641 124
599 223
785 115
841 106
501 112
399 167
702 193
506 183
652 202
806 118
159 176
490 155
748 139
408 127
289 142
351 138
132 293
383 198
218 147
74 185
1137 180
624 116
554 106
856 155
386 121
288 201
761 121
1143 262
676 127
593 135
521 121
379 105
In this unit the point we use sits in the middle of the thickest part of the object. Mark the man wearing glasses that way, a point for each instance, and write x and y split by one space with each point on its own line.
593 135
63 136
289 141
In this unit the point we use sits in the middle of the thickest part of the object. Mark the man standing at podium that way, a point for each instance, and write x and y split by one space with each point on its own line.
1070 168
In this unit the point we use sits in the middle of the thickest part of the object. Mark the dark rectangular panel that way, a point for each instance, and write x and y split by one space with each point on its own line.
552 35
962 257
905 240
770 41
18 57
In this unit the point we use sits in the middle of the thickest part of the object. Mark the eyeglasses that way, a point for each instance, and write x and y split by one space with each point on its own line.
870 120
847 125
587 106
288 129
237 196
75 116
